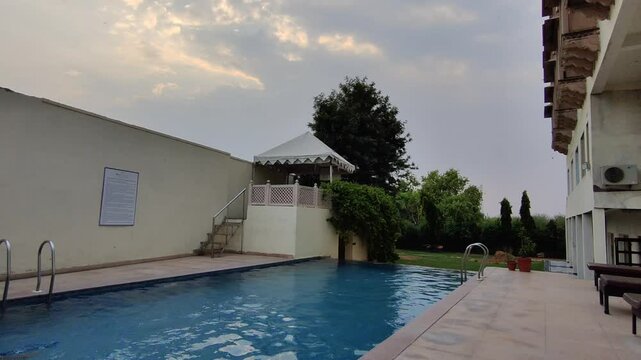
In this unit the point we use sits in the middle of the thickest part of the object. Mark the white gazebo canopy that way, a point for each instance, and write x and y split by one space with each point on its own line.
302 150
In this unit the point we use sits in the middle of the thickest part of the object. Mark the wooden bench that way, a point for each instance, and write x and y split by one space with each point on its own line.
635 303
608 269
613 285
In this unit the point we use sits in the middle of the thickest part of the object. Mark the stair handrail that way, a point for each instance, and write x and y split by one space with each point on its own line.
230 202
53 268
481 273
7 244
213 221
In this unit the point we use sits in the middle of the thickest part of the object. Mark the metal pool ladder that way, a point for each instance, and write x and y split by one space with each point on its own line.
466 254
8 274
53 268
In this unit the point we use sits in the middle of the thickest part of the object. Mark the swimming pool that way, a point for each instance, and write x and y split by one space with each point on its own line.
311 310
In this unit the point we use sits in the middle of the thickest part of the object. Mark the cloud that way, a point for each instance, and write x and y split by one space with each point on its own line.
153 40
292 57
73 73
226 14
434 69
287 31
133 3
347 44
488 38
161 87
442 14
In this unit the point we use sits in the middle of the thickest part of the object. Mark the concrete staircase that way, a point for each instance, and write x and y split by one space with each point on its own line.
219 238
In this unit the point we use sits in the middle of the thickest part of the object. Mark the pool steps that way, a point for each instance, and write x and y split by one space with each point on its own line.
7 244
53 268
466 254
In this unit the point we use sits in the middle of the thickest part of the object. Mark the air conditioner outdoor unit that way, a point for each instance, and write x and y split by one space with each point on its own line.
620 175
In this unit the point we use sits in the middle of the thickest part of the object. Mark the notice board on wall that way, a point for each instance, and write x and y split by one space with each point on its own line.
119 194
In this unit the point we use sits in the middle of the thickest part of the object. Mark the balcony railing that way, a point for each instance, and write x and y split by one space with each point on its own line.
287 195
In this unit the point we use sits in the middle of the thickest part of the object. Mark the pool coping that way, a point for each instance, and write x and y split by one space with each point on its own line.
42 297
394 345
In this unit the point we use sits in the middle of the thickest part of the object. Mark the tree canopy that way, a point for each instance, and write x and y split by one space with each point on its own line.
524 212
361 124
368 212
506 234
506 215
452 208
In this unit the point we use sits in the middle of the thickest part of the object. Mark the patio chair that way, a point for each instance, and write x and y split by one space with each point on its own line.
613 285
635 303
608 269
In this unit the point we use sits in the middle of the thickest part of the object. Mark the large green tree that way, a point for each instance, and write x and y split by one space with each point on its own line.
452 209
505 226
361 124
526 217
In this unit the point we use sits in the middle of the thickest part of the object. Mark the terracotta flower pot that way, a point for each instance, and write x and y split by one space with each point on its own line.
511 265
525 264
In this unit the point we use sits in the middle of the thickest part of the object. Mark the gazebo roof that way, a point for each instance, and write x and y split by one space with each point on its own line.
303 149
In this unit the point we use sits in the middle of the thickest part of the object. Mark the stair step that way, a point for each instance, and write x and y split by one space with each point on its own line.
233 221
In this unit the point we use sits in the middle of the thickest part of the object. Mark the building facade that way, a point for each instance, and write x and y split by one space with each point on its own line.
592 71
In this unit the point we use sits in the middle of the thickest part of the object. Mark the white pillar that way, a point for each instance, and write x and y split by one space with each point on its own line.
578 238
315 195
268 193
331 173
599 236
295 193
588 244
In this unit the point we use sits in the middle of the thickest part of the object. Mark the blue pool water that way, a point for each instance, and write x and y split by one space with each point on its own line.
311 310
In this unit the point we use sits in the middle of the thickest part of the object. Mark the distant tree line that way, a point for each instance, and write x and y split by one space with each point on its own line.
443 211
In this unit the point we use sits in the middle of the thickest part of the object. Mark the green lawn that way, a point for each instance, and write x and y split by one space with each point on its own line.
449 260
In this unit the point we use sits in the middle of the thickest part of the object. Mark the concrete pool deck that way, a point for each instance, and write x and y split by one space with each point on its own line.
140 272
512 315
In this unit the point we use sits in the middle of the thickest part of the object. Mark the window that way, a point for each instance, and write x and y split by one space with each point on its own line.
582 161
571 175
587 144
577 166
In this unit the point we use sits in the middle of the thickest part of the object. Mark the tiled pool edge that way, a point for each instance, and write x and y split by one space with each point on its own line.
394 345
41 298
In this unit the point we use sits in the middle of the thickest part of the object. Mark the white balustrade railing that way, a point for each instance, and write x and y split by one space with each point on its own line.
287 195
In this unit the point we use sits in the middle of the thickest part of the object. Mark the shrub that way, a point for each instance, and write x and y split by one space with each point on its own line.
528 248
368 212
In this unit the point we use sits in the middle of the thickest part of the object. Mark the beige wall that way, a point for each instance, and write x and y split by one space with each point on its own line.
315 236
52 160
616 131
270 230
292 231
355 249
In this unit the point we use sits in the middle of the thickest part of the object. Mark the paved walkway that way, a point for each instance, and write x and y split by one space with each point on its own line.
138 272
512 315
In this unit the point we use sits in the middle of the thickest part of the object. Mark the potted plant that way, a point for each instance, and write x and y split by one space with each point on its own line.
511 262
526 250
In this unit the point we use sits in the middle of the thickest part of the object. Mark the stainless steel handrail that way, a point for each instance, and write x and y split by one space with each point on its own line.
468 250
8 275
486 254
230 202
53 268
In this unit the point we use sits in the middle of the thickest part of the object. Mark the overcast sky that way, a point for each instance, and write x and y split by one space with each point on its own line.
241 76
